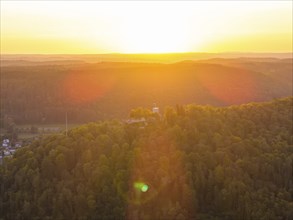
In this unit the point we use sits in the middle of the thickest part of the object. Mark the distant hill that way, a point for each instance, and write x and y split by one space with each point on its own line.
149 58
43 91
14 62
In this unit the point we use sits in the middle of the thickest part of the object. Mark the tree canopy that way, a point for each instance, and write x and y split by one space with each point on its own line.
194 162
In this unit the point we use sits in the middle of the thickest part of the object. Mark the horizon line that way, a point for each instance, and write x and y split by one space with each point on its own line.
175 53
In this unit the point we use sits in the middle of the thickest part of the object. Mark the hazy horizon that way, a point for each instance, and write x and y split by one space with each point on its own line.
146 110
190 52
128 27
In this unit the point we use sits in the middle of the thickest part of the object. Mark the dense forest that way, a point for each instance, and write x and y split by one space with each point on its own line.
43 92
191 162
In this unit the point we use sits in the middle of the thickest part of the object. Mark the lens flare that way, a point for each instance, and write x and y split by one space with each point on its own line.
141 186
158 181
87 85
144 188
229 85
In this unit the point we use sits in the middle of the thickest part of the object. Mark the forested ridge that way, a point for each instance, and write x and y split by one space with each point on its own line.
192 162
43 93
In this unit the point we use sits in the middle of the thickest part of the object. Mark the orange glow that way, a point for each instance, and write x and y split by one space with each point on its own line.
84 88
278 42
66 27
230 87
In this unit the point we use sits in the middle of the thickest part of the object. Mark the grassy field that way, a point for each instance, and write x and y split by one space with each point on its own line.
61 126
32 131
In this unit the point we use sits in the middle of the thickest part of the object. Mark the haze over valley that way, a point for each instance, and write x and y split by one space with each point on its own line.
146 110
43 91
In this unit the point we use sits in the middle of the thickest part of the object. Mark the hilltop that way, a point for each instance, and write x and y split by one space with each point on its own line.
193 162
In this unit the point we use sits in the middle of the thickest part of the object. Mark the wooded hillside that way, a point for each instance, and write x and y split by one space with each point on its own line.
196 162
42 92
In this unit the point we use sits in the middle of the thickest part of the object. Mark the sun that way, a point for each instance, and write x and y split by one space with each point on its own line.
156 33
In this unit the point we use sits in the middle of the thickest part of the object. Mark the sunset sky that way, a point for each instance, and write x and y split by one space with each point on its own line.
62 27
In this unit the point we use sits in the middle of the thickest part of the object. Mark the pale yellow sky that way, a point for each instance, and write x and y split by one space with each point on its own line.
145 26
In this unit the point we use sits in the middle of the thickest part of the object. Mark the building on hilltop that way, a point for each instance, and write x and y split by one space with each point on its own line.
136 121
156 109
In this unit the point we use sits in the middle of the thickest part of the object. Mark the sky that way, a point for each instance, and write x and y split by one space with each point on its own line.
93 27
